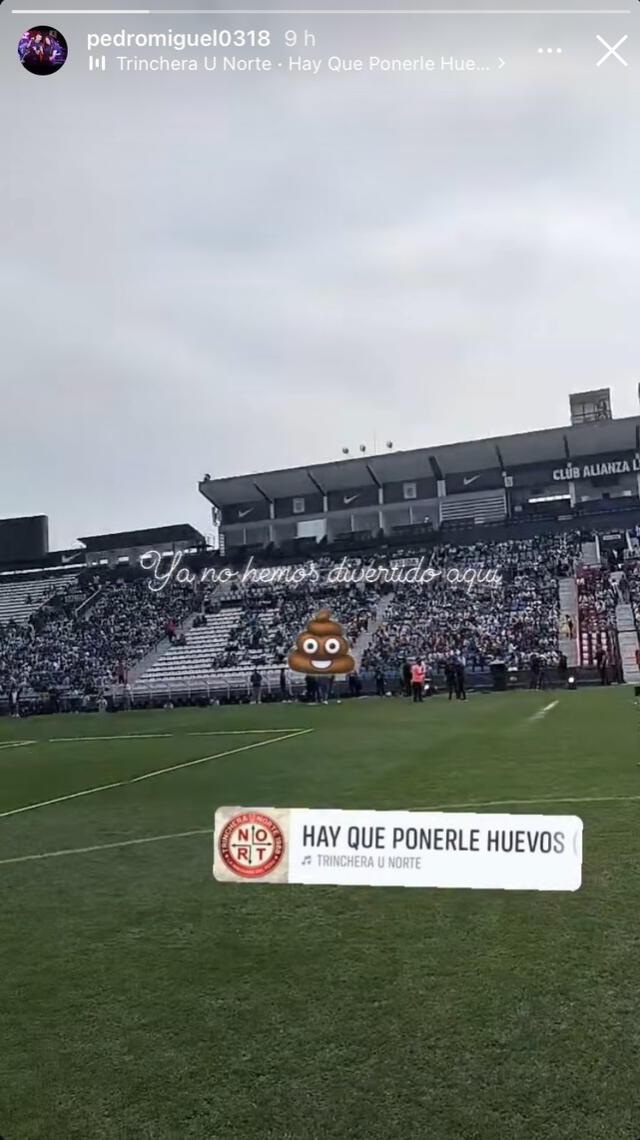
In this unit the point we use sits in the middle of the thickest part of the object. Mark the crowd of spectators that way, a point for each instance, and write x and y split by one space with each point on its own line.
87 639
272 617
68 647
508 621
598 597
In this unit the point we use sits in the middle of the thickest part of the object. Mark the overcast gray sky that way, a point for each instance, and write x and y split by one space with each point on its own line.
203 272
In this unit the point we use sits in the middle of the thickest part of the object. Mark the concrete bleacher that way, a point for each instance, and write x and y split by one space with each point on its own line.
20 598
254 631
628 642
568 606
191 664
628 621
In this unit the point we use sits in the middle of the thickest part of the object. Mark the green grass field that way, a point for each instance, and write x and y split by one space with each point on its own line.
142 1000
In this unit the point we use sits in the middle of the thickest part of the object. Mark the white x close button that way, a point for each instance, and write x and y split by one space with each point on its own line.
612 51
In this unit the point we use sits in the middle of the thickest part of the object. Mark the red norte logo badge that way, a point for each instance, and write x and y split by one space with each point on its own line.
251 844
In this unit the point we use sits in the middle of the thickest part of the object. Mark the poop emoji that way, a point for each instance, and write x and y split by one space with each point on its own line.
322 648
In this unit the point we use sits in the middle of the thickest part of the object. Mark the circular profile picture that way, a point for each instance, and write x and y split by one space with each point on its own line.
42 50
251 844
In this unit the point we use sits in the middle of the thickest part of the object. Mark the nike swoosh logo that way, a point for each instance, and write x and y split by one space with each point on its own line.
64 558
243 514
470 479
349 499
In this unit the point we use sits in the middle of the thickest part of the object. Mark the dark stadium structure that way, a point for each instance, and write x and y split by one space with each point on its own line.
24 538
155 617
507 485
127 546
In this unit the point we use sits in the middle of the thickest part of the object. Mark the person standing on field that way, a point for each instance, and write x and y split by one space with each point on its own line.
417 680
256 686
450 677
461 692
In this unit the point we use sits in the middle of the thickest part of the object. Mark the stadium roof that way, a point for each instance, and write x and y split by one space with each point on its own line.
508 451
181 532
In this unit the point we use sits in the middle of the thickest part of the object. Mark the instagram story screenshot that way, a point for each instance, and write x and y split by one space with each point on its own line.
320 570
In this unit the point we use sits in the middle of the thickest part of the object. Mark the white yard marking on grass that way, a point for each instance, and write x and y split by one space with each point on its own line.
166 735
542 712
158 772
537 800
106 846
125 736
209 830
17 743
245 731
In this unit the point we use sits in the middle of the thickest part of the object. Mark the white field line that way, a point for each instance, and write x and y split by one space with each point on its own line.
542 712
166 735
17 743
106 846
125 736
537 800
157 772
245 731
209 830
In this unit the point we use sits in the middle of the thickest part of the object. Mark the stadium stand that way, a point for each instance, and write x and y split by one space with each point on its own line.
175 639
80 649
523 484
19 598
192 662
257 629
484 623
105 630
531 507
597 599
628 620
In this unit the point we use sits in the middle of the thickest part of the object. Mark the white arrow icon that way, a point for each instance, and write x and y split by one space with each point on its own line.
500 63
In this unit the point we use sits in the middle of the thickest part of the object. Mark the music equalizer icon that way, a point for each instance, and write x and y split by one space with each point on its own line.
97 63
